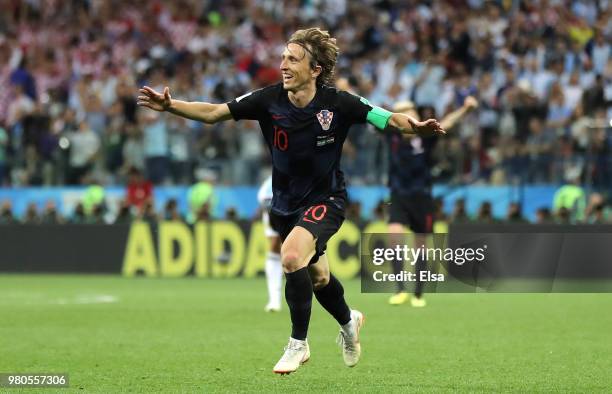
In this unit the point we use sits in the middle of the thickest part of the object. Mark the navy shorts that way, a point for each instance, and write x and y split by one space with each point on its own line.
322 220
414 211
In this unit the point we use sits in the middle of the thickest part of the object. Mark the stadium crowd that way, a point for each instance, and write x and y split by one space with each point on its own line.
70 70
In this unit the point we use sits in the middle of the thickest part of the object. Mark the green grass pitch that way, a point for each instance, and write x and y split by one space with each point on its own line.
202 335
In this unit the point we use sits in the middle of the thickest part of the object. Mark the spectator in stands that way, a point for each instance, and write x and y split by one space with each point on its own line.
540 148
19 107
84 146
31 214
201 196
94 198
518 58
113 140
179 142
97 215
50 214
569 202
78 215
4 142
439 214
124 216
596 211
485 214
155 140
6 213
543 216
133 155
353 212
171 211
459 212
139 190
380 211
563 216
147 212
515 214
231 214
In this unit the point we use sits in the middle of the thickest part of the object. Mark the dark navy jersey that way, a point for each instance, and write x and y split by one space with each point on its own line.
410 163
305 143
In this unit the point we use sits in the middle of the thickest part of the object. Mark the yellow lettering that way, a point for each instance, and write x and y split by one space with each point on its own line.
140 251
344 268
169 233
228 247
257 251
202 252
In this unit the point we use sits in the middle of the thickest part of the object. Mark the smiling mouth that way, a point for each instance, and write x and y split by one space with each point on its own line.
287 78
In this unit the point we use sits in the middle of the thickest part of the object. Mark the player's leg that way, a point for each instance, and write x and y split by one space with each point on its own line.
323 221
398 218
274 275
397 236
296 251
274 269
329 292
418 301
421 223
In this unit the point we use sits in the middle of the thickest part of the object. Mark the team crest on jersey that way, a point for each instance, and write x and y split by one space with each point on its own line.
325 118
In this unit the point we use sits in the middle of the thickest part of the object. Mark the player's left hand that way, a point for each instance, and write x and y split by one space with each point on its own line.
427 128
470 103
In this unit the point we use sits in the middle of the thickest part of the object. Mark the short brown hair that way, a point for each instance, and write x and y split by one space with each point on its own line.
322 49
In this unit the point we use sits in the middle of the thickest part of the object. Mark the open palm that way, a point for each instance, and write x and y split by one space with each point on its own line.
428 128
155 100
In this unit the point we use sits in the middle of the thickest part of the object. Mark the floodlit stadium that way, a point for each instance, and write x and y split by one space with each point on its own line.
329 195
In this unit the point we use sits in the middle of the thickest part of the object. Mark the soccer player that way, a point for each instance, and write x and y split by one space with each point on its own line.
304 122
412 203
274 269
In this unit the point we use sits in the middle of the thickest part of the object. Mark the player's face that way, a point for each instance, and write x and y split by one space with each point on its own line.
295 68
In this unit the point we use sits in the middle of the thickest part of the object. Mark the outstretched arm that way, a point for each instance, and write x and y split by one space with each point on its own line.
409 125
450 120
203 112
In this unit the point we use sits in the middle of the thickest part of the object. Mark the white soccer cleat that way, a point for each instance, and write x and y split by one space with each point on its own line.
296 353
349 339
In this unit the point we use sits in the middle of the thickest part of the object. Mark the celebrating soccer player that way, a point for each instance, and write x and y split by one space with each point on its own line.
304 122
412 203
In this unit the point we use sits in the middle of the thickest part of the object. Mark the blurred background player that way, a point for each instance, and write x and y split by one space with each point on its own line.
274 268
412 204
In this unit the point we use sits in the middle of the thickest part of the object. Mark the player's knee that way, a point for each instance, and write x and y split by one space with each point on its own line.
290 260
320 281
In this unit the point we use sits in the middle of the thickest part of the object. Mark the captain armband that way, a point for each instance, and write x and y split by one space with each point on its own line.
377 116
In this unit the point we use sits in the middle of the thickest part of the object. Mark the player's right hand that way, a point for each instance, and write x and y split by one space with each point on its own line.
155 100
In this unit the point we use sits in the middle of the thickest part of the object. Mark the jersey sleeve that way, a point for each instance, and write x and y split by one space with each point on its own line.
353 108
251 105
359 110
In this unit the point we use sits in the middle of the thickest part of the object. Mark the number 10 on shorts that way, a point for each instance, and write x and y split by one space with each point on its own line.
315 213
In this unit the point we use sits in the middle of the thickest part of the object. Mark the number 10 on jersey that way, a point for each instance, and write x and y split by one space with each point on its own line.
281 140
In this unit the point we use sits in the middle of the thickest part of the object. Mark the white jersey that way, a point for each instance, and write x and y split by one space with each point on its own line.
264 195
